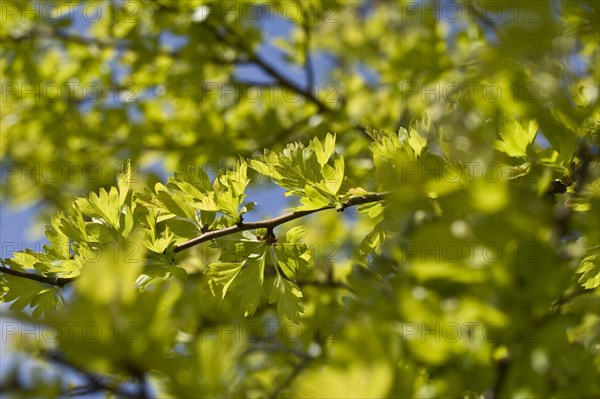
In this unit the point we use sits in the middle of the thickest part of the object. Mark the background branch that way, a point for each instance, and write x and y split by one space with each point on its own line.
308 66
231 38
95 382
290 379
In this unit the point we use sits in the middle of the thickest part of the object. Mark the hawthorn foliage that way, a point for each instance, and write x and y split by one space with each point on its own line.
439 241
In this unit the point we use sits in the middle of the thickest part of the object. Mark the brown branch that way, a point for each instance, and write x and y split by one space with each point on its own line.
479 14
269 224
290 379
56 281
274 222
558 305
325 284
308 65
233 40
502 369
95 381
564 212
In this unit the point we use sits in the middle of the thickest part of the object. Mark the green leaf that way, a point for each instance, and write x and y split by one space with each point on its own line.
517 137
313 200
372 241
325 150
249 284
176 206
314 173
289 257
373 209
288 296
161 243
123 182
333 176
222 275
184 229
104 205
73 226
375 134
59 247
24 292
194 182
247 207
590 271
229 190
127 221
295 234
417 142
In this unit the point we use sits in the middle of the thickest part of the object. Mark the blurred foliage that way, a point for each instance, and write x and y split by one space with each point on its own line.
459 139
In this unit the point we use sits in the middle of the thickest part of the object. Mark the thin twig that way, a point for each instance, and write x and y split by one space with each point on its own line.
95 382
288 381
481 16
557 305
564 212
210 235
233 40
274 222
326 284
502 367
266 346
308 66
56 281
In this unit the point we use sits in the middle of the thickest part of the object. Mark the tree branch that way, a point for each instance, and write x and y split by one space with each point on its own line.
325 284
557 305
95 382
56 281
481 16
563 212
274 222
502 368
288 381
211 235
253 56
308 66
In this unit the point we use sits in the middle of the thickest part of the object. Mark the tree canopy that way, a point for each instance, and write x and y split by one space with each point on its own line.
438 162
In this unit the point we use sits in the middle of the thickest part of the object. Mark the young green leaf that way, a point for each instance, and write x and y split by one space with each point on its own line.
222 275
248 284
517 137
288 296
